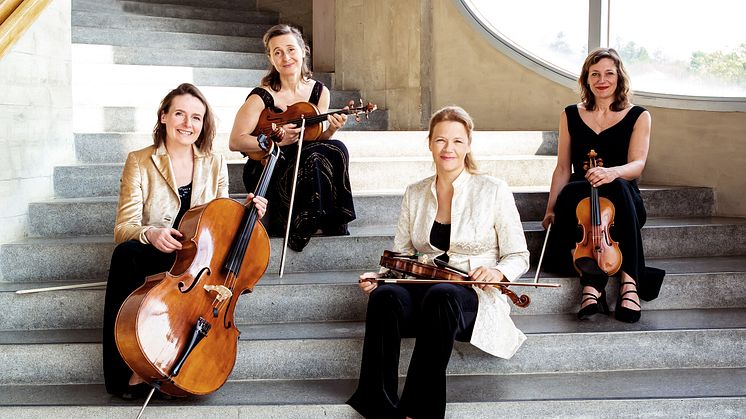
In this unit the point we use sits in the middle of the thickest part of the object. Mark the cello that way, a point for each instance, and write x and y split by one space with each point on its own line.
596 253
176 332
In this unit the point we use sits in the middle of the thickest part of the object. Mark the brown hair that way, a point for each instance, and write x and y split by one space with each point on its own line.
272 78
457 114
204 142
621 95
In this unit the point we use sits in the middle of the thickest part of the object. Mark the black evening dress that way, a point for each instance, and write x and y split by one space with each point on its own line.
323 198
611 145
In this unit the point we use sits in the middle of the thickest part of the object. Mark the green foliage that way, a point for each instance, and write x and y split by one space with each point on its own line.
728 66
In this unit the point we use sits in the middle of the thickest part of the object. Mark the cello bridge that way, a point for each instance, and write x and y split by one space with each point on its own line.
223 292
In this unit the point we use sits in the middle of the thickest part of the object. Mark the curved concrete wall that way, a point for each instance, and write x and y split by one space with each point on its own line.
414 57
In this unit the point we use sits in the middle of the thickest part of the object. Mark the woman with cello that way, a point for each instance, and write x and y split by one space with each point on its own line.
470 221
605 124
324 202
159 184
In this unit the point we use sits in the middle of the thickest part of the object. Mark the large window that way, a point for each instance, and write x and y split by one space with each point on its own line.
690 51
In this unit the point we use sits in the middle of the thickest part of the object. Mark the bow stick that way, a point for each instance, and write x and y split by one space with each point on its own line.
541 257
292 196
62 287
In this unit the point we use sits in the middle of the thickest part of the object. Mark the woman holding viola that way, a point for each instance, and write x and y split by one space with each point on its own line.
324 200
469 220
619 132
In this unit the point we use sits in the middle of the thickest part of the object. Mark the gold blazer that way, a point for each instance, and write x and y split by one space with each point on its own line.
148 194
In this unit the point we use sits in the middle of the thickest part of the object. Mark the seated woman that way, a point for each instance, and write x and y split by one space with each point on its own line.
619 132
159 184
323 201
471 221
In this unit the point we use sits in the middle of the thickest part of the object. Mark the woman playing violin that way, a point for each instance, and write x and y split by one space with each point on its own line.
324 200
158 185
605 121
471 221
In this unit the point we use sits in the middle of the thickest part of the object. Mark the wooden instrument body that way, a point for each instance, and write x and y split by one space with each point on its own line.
155 323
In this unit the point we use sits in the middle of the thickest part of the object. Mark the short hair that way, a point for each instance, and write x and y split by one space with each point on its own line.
204 141
457 114
272 78
621 95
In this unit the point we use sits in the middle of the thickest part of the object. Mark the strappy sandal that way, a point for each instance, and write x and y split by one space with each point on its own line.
625 314
599 306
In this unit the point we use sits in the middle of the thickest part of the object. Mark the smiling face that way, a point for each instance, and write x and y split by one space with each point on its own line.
602 78
286 55
449 144
183 120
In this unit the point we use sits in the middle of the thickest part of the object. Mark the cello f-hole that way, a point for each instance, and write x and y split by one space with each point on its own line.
196 280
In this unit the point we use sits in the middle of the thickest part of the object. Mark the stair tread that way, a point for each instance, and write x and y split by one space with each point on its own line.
673 266
388 230
367 193
540 324
630 385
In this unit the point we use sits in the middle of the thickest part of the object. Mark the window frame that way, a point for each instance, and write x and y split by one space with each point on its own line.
598 34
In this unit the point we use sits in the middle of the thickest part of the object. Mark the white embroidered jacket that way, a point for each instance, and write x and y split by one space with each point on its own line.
486 230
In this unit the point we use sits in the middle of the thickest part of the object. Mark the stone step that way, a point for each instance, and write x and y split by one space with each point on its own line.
103 118
96 215
168 40
131 22
131 72
182 11
701 393
691 283
88 257
113 147
662 340
366 174
222 4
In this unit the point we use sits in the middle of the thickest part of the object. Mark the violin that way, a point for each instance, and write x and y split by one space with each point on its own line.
176 332
596 253
443 273
308 111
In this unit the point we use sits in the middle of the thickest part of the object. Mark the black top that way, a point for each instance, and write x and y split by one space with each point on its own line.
269 101
440 235
611 144
185 195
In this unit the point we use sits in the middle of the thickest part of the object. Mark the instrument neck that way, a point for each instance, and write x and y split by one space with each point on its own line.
316 119
241 243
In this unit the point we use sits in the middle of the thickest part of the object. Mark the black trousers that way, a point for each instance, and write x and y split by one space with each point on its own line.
435 316
131 262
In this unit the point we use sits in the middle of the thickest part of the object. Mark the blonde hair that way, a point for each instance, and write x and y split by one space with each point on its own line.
457 114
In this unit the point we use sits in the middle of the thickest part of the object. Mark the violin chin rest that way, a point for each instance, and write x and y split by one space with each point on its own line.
588 266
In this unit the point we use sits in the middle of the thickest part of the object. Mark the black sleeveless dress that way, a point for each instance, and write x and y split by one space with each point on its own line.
323 198
611 145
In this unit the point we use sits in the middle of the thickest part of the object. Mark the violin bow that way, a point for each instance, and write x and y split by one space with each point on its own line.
292 196
541 257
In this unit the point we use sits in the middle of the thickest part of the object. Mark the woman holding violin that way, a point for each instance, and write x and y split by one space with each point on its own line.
470 221
604 128
324 202
159 184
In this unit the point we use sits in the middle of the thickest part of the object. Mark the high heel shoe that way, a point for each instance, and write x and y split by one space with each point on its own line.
625 314
600 305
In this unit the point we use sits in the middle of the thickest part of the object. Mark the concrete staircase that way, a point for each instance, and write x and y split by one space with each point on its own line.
301 339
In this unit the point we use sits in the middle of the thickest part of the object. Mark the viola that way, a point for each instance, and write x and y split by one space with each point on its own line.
596 253
443 273
295 113
176 332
